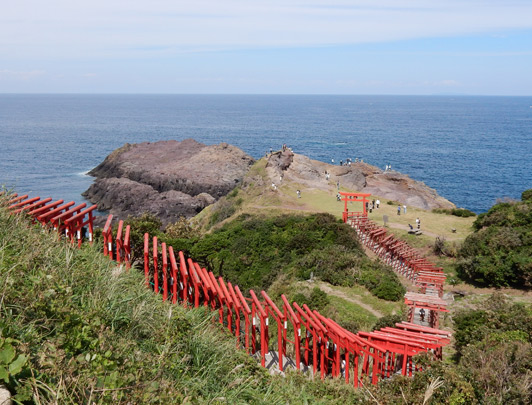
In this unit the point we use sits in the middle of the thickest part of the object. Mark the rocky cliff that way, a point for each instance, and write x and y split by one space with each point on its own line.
166 178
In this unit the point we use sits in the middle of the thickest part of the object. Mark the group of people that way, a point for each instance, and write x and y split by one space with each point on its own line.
388 168
399 209
348 161
374 204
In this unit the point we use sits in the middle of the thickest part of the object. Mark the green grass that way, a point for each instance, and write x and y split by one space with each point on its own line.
82 330
361 293
350 312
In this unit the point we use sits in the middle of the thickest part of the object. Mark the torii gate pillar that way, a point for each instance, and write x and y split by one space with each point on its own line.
354 197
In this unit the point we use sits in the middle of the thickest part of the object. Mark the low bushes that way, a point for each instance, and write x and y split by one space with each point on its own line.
499 252
457 212
252 252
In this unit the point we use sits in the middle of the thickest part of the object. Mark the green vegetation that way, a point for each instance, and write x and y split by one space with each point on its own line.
493 366
457 212
75 328
499 252
253 252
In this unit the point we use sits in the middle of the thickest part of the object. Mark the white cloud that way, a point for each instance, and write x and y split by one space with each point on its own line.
135 27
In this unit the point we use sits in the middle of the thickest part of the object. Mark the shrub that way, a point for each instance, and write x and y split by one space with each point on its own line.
526 195
252 251
439 246
458 212
462 212
499 252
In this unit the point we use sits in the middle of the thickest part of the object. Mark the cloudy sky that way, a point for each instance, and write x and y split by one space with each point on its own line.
479 47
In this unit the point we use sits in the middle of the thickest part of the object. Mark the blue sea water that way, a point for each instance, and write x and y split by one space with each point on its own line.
472 150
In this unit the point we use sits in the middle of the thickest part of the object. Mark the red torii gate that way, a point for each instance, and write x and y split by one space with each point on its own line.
354 197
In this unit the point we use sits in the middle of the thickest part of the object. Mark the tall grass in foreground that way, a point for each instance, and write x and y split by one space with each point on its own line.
83 330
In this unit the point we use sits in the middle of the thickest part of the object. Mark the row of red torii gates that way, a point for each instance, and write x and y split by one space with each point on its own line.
402 258
305 339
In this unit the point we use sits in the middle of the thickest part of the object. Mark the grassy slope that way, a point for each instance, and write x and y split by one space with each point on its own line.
92 332
260 198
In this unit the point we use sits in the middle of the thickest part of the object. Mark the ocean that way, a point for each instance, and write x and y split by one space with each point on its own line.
472 150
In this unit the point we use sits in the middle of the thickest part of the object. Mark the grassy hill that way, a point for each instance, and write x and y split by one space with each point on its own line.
75 328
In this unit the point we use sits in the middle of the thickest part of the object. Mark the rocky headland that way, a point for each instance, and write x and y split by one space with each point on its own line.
168 178
171 179
359 177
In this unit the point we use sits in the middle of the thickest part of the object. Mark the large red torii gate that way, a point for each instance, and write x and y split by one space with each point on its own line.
354 197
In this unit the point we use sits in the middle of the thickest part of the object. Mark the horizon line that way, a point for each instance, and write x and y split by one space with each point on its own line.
261 94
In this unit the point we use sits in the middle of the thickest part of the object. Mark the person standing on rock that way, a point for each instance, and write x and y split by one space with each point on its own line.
418 223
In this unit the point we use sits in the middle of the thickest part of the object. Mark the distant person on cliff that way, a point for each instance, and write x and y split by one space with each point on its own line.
377 203
298 193
404 209
418 223
398 210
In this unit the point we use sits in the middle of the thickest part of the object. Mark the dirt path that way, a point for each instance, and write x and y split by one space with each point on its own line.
425 232
329 290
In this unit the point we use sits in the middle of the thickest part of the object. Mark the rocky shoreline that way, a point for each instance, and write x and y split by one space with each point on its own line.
168 178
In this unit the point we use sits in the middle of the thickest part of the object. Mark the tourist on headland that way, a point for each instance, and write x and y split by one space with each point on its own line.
378 203
404 208
398 210
298 193
418 223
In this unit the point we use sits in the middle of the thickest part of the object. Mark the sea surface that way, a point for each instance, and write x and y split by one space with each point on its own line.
472 150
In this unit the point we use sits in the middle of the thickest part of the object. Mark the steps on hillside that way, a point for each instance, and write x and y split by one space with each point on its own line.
272 362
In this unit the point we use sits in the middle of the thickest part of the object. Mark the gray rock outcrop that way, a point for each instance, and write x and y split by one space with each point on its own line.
358 176
167 178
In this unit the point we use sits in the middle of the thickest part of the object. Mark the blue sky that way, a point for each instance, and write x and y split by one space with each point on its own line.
278 46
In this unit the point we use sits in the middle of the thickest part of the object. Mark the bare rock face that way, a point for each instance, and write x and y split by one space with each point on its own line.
358 176
166 178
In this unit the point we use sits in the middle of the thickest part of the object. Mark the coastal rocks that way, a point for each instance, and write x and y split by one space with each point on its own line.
359 176
401 188
167 178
